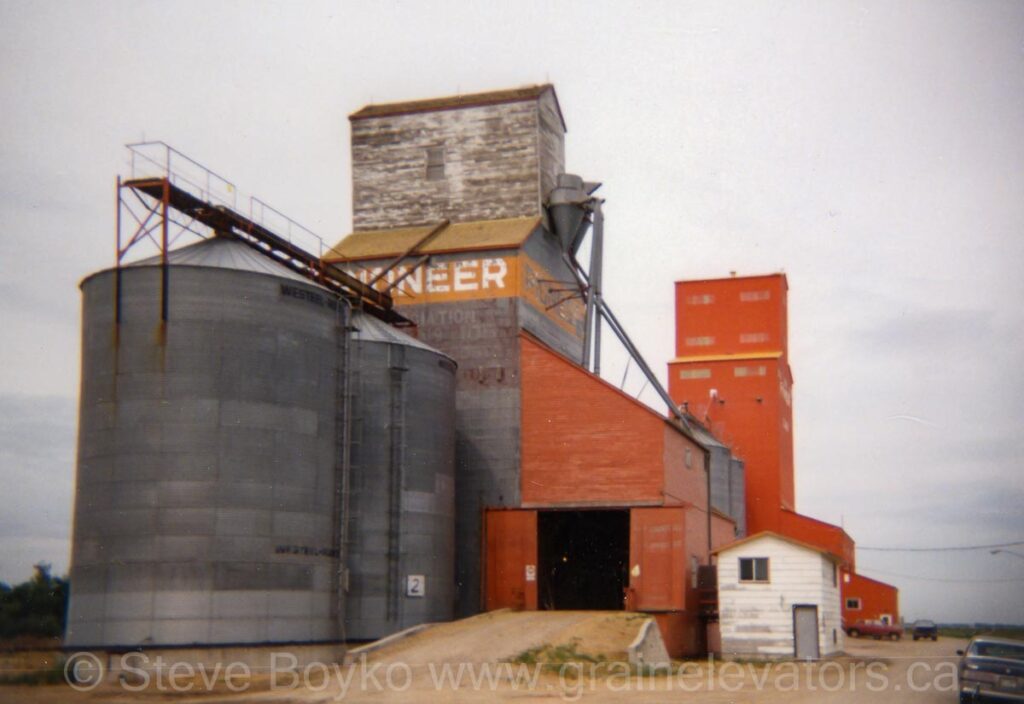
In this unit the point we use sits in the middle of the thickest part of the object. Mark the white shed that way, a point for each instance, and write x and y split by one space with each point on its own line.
778 598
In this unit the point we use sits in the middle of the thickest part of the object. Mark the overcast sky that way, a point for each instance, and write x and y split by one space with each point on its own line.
872 150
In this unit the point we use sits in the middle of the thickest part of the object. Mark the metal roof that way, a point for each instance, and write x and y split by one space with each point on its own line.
704 436
509 233
224 253
455 102
366 328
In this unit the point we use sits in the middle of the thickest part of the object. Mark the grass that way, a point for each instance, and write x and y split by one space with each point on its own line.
567 660
548 654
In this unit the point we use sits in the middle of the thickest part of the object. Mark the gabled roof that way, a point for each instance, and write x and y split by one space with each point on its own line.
455 102
785 538
509 233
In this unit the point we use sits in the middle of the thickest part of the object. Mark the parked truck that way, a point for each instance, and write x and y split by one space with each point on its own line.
875 629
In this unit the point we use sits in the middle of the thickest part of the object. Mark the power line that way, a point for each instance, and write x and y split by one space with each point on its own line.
944 549
942 579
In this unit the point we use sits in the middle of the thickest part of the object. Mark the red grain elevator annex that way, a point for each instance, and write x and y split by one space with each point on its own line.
731 369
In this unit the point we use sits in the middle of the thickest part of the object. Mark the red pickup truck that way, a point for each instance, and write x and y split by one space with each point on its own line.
875 629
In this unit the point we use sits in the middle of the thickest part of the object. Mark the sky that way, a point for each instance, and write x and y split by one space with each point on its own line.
874 151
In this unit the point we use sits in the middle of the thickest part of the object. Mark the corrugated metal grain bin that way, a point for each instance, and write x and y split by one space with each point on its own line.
205 497
401 547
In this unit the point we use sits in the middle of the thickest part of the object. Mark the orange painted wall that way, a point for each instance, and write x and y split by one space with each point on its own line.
681 631
751 415
731 337
742 314
663 543
876 597
585 442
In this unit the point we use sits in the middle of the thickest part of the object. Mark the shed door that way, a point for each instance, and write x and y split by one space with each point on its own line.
510 580
657 559
805 632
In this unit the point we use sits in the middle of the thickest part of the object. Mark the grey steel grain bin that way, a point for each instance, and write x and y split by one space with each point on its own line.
205 506
401 547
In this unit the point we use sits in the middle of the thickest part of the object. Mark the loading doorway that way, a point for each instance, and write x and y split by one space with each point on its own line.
582 559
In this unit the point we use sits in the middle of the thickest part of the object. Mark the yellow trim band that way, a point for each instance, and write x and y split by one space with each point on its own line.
727 357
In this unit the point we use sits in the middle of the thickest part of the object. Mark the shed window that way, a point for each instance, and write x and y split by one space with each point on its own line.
694 373
853 604
701 341
435 163
689 458
753 569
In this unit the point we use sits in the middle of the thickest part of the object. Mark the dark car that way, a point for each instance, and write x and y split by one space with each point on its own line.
925 629
991 670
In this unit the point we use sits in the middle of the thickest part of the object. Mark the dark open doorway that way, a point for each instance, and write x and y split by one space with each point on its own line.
583 559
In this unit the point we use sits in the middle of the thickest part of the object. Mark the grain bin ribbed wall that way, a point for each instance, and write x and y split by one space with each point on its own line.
205 506
403 496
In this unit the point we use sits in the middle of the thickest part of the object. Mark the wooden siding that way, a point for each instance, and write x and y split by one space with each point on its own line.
497 160
584 442
756 619
550 142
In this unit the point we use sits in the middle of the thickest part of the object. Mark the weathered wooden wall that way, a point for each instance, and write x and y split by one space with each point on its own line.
499 162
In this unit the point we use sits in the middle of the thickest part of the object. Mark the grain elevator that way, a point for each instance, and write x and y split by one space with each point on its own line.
290 442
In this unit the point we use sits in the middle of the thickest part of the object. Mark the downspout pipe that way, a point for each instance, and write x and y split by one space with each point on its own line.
343 491
596 264
620 332
707 474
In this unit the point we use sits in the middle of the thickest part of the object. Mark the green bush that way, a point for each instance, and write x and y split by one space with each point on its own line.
37 607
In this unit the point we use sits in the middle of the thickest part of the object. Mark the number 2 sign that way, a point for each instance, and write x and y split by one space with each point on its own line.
416 585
